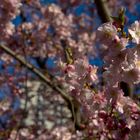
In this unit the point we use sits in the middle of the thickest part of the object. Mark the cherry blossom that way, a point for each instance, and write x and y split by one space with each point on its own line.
134 31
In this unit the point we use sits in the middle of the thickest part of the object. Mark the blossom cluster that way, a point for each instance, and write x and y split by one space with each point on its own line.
8 10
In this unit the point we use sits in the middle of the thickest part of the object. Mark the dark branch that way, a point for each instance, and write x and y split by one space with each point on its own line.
52 84
103 11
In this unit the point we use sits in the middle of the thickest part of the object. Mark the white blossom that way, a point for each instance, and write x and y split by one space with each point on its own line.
134 31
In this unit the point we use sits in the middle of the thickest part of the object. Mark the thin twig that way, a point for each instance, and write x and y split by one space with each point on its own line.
35 70
26 98
51 84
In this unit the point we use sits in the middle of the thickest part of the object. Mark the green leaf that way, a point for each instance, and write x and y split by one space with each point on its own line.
69 55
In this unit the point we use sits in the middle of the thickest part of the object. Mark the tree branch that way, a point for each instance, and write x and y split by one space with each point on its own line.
49 82
35 70
103 11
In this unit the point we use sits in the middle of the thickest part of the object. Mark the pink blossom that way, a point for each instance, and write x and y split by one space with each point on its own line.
106 33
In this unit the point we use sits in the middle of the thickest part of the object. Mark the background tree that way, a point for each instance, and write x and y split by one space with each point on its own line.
65 78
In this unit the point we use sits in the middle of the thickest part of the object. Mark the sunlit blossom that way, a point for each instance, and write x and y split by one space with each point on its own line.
134 31
107 33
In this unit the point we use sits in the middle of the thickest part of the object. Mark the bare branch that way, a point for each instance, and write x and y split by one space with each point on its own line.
49 82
